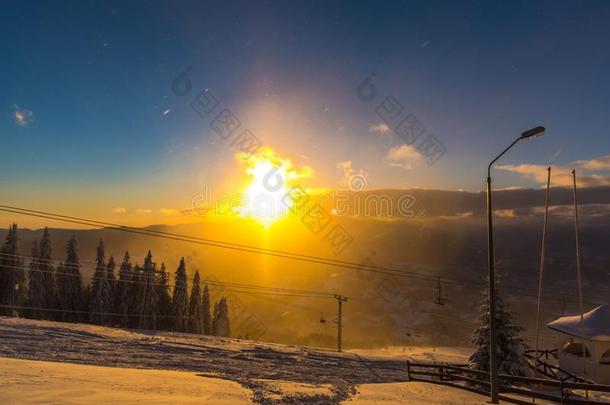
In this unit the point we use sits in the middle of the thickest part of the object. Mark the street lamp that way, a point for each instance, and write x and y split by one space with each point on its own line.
493 367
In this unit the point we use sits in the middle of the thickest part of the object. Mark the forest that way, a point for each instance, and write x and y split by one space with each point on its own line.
135 296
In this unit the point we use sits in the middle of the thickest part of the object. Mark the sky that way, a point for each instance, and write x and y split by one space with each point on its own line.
91 124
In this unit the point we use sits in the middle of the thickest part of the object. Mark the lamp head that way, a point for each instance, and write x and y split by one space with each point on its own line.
533 133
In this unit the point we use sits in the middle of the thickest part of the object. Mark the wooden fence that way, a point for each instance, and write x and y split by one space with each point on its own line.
458 376
542 365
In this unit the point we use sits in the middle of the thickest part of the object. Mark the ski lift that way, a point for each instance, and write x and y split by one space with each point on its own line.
322 319
440 300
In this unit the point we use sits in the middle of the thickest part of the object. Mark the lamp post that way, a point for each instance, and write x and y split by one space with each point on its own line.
493 366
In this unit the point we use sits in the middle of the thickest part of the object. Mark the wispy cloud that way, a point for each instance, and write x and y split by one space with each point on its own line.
169 211
590 173
143 211
404 156
381 128
354 179
22 116
119 210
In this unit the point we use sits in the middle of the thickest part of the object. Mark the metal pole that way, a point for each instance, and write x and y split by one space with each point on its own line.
542 251
340 301
578 274
493 368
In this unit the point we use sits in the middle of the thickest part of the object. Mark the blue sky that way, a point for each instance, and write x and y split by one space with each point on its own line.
91 82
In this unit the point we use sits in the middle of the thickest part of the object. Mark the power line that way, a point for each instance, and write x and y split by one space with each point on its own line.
227 245
270 252
58 264
216 286
239 288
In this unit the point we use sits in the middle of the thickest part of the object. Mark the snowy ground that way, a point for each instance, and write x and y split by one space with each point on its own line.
43 382
264 372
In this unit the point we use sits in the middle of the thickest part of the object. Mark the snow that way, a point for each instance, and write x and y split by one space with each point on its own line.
596 324
94 364
424 354
50 382
414 393
35 382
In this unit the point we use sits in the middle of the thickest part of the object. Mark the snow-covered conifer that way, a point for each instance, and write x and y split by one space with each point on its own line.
195 316
180 299
69 285
510 347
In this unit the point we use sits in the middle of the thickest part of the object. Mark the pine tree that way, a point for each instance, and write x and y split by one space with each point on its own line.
180 299
165 301
220 324
111 276
510 347
136 295
195 318
205 309
36 285
46 271
122 292
12 275
70 286
86 302
111 280
99 304
150 302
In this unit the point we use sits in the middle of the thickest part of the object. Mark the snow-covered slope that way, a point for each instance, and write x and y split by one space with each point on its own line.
271 373
43 382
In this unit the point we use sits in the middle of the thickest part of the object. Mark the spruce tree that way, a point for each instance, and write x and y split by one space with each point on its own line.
35 300
111 276
86 302
111 280
195 316
70 286
150 302
205 309
122 292
165 301
180 299
46 270
215 319
12 275
510 347
99 304
220 324
136 295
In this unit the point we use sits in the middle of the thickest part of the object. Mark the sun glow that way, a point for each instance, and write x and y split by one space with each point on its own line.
271 179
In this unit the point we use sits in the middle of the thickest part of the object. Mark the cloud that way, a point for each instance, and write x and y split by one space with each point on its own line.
354 179
505 213
403 156
600 163
589 173
143 211
381 128
119 210
22 116
169 211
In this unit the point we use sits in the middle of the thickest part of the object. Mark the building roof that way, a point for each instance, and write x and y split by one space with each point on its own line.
596 325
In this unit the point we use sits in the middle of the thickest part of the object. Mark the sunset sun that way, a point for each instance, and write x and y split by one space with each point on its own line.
271 177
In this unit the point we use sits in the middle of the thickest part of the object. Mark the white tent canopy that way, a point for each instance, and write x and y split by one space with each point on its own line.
596 325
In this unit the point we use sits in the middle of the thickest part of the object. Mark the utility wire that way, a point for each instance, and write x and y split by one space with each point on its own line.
276 253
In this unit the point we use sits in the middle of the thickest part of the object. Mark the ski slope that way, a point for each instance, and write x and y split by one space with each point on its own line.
66 360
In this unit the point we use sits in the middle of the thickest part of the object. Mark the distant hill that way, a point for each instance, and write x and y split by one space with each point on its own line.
441 243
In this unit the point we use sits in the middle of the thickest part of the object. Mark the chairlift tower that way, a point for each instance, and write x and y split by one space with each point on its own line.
340 300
